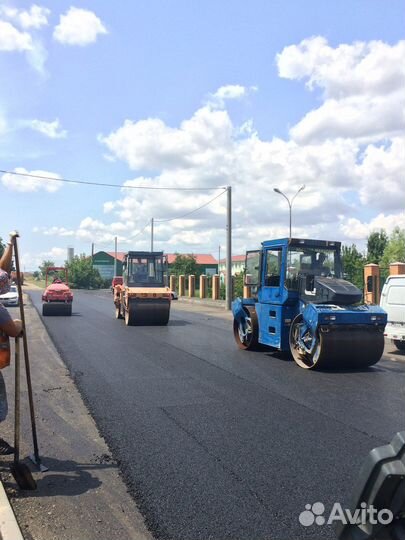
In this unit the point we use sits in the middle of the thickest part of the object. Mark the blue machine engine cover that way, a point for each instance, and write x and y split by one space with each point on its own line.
326 314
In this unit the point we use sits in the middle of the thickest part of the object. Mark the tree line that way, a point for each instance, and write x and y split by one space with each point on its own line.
382 249
81 273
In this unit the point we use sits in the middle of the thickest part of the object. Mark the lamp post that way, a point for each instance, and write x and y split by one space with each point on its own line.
288 200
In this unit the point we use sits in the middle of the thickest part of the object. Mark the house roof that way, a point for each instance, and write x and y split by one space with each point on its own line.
201 258
120 255
235 258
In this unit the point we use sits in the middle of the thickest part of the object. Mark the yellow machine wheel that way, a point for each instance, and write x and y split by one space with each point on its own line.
129 316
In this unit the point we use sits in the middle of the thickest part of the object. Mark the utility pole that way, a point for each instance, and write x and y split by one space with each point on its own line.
92 251
228 286
115 258
151 234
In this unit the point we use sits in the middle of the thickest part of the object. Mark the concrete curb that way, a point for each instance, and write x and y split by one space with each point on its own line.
219 304
9 528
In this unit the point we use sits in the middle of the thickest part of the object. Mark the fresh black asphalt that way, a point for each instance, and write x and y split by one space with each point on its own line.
217 443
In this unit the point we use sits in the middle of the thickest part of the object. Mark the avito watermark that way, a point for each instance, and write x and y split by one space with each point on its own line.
314 514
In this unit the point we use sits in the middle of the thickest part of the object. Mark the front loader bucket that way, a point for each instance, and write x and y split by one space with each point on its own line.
51 309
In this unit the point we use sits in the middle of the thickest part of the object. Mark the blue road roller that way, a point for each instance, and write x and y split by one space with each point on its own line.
299 302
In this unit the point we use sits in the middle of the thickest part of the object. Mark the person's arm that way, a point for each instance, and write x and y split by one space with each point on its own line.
12 328
7 325
6 259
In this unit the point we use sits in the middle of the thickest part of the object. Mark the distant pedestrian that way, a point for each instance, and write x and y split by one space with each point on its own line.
8 328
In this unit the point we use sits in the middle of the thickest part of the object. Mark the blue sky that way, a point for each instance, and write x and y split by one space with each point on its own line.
257 95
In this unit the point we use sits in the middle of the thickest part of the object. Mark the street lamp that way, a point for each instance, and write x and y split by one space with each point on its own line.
288 200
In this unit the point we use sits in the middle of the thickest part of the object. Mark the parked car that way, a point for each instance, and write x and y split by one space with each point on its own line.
117 280
393 302
10 298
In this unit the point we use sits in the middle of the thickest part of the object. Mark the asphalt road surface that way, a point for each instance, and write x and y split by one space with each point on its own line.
218 443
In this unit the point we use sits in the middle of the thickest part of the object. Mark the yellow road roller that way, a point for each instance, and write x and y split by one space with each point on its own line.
144 297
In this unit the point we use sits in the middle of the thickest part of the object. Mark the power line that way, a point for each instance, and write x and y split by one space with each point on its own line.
192 211
87 183
141 231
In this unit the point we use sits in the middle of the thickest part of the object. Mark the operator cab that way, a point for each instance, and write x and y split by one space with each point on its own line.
145 269
286 269
303 257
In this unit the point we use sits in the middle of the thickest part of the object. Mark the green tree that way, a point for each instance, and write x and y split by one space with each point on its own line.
376 244
353 265
185 265
44 265
82 275
238 283
395 249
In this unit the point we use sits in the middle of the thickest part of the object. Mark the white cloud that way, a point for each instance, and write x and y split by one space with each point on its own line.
12 39
206 150
367 119
31 261
28 184
151 144
354 229
37 57
92 230
78 27
363 88
353 174
230 91
35 17
382 176
52 130
57 252
54 231
373 68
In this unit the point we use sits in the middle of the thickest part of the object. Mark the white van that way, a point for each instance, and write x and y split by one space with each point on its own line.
393 302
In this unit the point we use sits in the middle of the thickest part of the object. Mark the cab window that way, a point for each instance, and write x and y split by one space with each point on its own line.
252 264
273 268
